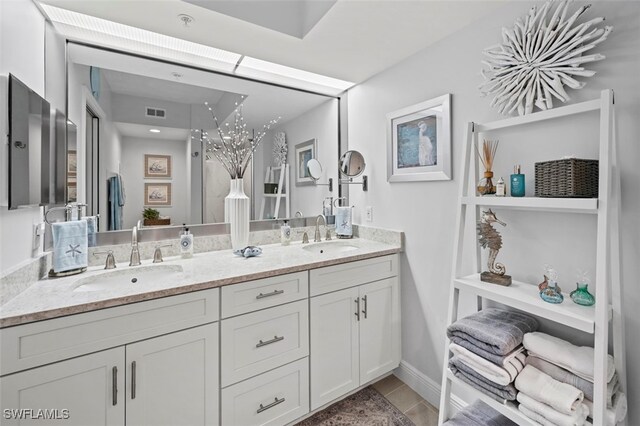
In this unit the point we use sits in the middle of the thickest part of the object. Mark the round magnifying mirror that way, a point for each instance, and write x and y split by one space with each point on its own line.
315 169
352 164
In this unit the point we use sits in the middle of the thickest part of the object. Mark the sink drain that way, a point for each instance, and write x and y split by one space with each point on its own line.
134 280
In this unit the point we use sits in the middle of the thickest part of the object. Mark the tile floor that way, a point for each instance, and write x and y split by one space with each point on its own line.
408 401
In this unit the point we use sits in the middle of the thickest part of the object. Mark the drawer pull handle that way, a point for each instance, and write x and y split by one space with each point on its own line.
273 404
357 302
114 386
133 380
273 293
268 342
364 311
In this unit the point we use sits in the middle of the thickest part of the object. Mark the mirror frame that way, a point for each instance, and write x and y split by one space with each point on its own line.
155 234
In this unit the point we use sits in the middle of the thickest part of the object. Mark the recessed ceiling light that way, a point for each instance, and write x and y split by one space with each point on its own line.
154 130
186 20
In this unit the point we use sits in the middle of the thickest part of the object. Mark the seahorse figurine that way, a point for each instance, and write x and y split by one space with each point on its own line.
491 239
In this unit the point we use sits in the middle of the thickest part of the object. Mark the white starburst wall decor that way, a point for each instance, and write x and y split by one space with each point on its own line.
539 56
280 149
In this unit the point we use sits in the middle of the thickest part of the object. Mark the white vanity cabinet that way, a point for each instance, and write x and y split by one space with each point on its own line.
355 332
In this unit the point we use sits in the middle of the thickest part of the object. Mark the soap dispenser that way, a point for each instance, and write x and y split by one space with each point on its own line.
186 243
285 233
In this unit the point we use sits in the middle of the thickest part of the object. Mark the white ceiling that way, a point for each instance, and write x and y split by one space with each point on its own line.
354 40
164 90
141 131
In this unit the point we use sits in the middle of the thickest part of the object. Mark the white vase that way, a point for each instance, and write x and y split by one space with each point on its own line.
236 212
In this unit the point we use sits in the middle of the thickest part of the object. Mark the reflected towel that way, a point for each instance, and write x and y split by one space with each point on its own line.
471 377
565 376
495 330
497 374
577 359
343 221
69 245
92 228
615 414
541 387
476 414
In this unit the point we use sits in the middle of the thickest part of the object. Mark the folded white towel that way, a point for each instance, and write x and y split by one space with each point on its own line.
500 375
540 419
577 359
541 387
615 414
552 416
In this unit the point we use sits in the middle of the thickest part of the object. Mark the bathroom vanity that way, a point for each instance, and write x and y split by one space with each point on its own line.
211 340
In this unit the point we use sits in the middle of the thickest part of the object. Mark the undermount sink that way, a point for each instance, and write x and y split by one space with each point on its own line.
330 247
128 278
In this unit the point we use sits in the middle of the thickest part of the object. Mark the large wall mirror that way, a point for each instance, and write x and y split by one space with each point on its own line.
139 145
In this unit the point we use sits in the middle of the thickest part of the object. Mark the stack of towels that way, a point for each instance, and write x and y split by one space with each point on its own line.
478 414
487 350
556 385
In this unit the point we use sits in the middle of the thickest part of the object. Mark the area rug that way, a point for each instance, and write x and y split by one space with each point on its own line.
364 408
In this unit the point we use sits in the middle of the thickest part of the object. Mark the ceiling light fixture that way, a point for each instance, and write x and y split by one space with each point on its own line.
186 20
154 130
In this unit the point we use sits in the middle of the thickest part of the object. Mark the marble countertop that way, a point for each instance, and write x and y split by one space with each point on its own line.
52 298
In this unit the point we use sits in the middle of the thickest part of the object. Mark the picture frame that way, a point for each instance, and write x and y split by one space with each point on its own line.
304 152
72 163
157 194
419 141
157 166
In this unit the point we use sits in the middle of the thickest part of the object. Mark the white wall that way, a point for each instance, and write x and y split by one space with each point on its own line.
133 151
320 123
426 211
22 38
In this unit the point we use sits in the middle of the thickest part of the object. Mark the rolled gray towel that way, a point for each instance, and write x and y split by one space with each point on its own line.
496 331
471 377
478 414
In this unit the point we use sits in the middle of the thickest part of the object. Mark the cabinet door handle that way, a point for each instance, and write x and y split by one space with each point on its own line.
114 386
133 380
273 293
364 311
357 301
273 404
268 342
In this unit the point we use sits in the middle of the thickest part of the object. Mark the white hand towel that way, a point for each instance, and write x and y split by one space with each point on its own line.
615 414
500 375
541 387
540 419
553 416
343 221
577 359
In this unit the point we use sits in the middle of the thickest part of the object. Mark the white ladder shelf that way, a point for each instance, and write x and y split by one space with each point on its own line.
283 192
593 320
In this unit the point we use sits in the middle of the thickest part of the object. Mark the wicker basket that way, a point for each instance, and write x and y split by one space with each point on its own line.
569 178
157 222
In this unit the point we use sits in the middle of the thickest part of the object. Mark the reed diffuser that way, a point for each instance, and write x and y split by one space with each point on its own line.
486 155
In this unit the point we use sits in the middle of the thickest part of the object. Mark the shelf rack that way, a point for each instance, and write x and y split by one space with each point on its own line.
283 192
594 320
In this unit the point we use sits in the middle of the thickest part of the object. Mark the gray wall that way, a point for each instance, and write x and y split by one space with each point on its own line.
426 211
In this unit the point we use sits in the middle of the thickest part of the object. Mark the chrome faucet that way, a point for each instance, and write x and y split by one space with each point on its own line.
134 260
316 237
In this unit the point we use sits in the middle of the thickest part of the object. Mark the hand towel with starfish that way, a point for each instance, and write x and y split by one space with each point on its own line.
70 245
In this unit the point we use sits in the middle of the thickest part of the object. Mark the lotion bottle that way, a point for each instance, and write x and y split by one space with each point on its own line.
285 233
186 243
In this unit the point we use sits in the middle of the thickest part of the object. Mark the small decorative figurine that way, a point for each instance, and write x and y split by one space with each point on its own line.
491 238
550 291
248 251
581 294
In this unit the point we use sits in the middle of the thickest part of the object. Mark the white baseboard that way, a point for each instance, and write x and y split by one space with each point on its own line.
425 386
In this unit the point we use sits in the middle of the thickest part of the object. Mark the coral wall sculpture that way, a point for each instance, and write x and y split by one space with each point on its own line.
543 52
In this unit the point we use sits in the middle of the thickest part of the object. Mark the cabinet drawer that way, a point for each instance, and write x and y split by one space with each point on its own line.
333 278
257 342
254 295
39 343
273 398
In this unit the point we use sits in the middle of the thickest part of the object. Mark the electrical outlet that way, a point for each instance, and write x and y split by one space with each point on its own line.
369 214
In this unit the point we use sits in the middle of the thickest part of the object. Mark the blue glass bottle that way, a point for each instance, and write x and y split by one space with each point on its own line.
517 183
549 289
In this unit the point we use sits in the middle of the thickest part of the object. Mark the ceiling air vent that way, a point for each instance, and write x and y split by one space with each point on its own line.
156 112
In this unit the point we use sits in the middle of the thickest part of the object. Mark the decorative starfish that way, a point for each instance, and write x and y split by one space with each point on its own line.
73 250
